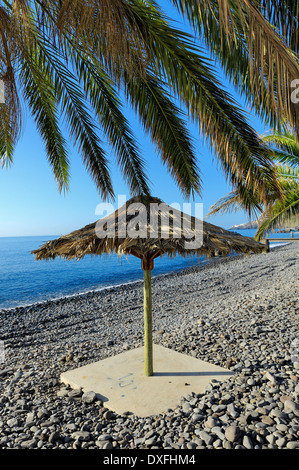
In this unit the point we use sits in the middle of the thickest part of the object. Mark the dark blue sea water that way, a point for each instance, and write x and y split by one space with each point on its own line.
24 281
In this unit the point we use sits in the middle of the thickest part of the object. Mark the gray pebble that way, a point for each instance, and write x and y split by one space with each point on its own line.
104 444
290 405
211 422
105 437
232 433
207 438
293 445
30 444
13 422
196 417
281 442
247 442
81 435
89 397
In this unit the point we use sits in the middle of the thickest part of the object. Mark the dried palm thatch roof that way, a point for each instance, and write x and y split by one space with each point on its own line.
140 227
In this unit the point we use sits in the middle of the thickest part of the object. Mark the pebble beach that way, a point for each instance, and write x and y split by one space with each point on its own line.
240 313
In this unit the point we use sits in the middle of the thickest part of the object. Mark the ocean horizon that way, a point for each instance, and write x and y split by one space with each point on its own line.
25 281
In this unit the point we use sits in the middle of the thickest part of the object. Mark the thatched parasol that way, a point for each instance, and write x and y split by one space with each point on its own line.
148 228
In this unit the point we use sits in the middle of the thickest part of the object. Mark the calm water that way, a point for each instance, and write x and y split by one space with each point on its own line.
25 281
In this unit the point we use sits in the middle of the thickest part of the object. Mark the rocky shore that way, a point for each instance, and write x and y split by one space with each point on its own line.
240 313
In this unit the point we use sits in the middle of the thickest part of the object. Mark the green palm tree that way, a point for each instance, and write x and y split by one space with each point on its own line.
277 212
71 60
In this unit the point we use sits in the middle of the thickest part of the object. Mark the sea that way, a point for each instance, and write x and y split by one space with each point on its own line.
25 281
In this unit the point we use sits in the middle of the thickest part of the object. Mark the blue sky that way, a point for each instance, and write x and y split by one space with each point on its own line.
32 205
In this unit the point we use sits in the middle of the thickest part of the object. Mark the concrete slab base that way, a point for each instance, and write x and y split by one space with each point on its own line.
120 383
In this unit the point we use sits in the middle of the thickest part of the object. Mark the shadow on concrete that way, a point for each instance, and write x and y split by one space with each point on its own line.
189 374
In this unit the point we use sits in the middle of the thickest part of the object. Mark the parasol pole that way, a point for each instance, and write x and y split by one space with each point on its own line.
147 266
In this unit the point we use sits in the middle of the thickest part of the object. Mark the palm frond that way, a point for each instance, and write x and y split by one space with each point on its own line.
103 97
189 74
39 92
280 213
253 53
82 47
234 202
10 109
286 172
285 141
163 120
285 17
107 28
72 102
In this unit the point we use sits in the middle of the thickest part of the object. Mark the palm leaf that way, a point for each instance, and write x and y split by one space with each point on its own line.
280 213
39 92
107 28
163 120
188 72
234 202
286 172
285 146
72 102
285 17
103 97
253 53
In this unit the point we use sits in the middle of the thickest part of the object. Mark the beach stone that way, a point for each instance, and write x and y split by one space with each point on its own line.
267 420
108 414
75 393
211 422
191 445
63 392
29 444
250 382
247 442
217 444
89 397
42 413
187 408
105 437
226 398
224 418
271 438
284 398
227 445
270 377
207 438
13 422
293 445
281 442
196 417
152 441
231 409
54 436
282 427
232 433
81 435
218 431
290 405
104 445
